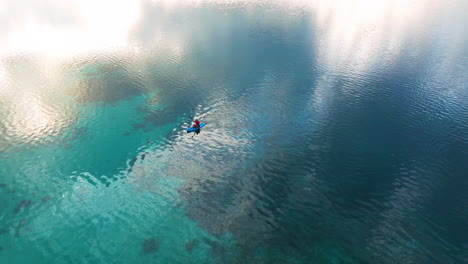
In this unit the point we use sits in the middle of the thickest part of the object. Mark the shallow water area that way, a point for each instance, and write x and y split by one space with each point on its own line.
336 131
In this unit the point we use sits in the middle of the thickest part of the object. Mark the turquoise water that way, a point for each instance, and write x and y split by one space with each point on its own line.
336 132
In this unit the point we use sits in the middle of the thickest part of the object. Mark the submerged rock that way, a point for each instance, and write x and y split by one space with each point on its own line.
22 223
2 185
150 245
19 229
23 204
105 82
192 244
132 162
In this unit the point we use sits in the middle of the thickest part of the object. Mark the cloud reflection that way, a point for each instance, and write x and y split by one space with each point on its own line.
358 35
54 27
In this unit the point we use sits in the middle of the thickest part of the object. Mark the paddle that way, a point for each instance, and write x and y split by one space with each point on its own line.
191 120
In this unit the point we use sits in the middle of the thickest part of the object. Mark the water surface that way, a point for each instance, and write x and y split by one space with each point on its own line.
337 132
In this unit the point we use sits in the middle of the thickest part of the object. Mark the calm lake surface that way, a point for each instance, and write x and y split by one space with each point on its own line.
337 131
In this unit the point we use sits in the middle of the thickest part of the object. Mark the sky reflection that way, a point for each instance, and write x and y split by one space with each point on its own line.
54 27
354 39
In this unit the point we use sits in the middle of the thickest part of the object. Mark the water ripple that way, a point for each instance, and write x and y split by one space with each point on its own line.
332 136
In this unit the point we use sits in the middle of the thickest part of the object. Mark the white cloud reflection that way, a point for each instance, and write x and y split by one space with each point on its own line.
357 35
54 27
353 27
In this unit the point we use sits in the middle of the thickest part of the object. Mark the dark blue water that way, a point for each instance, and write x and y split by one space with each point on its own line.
336 132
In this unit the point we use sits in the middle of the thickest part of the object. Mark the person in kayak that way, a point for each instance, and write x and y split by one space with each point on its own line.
196 123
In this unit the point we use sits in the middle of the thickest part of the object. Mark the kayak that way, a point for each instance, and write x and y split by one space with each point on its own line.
192 129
